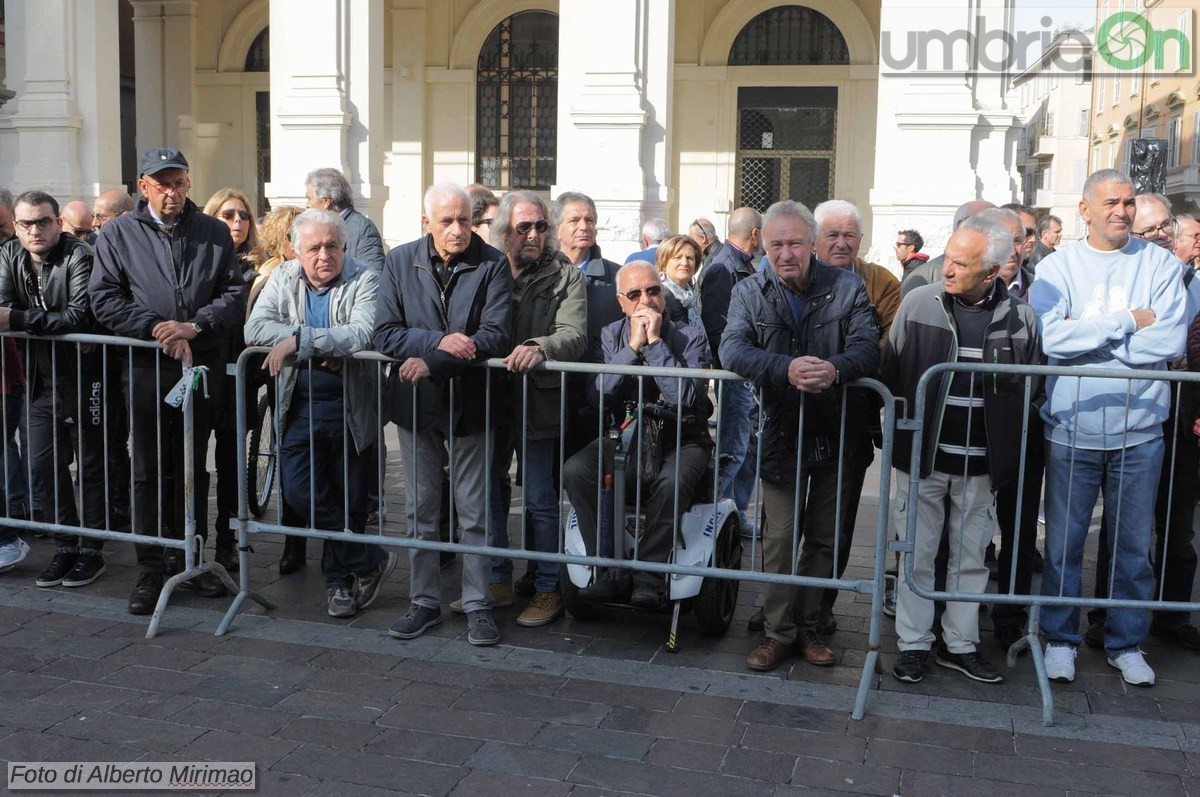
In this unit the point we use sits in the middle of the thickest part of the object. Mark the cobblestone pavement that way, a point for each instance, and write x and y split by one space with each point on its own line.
338 708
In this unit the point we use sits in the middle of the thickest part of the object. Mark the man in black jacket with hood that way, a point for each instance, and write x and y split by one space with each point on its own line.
44 291
168 273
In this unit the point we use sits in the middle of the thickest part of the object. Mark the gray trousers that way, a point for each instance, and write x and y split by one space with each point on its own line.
423 455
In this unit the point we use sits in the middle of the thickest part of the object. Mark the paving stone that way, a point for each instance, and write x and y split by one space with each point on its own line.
686 755
530 683
793 716
1124 705
813 744
30 638
367 686
153 705
523 760
152 679
69 624
933 784
275 673
137 732
613 773
76 668
598 741
17 660
433 747
311 703
25 745
370 770
1074 751
1084 777
91 647
619 694
747 763
218 745
81 695
446 673
539 707
25 686
426 694
33 715
354 661
269 783
955 735
163 658
709 706
905 755
501 784
673 726
217 715
237 690
843 776
250 647
330 733
474 724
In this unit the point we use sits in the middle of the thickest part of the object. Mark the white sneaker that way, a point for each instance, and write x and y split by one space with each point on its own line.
1134 669
12 554
1060 663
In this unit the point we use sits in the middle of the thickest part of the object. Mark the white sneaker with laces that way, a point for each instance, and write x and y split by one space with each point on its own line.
1134 669
1060 663
12 554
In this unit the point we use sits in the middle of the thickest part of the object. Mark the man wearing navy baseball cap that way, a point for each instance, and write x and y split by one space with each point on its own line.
167 272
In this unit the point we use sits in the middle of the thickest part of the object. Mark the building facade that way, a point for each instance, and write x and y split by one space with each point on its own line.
1054 98
1156 98
672 108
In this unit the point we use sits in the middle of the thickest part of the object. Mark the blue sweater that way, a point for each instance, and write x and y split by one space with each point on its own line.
1084 300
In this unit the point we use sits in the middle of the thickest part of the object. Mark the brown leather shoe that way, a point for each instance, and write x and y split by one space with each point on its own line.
814 651
767 656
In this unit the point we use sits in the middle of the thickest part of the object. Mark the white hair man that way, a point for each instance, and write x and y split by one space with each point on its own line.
931 271
328 189
654 232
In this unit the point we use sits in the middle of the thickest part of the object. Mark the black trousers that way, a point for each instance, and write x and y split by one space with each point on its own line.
859 456
158 470
1012 550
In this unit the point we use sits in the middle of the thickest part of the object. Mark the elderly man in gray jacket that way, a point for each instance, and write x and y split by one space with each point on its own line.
319 309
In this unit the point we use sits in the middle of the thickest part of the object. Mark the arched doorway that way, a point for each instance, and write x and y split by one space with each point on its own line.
787 135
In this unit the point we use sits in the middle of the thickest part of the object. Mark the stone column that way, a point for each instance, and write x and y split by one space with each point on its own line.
63 126
406 164
364 45
936 108
616 110
164 58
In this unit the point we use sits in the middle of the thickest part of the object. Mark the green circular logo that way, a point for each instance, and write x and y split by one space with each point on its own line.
1125 40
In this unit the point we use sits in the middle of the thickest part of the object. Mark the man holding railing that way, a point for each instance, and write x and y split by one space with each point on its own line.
645 337
1114 301
799 330
319 309
445 302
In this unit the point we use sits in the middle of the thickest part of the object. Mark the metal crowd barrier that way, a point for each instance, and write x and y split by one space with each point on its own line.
1007 593
730 572
103 367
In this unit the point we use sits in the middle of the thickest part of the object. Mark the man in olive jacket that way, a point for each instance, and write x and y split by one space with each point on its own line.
799 330
445 302
550 323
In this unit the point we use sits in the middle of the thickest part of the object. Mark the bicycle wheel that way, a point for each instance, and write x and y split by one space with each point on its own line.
261 463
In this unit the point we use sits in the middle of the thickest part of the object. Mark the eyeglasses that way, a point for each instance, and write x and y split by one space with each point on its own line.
636 293
179 186
1030 232
524 227
230 215
1162 229
42 224
902 243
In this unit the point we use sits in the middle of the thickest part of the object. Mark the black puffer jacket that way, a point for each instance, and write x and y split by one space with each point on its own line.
414 312
143 276
50 299
762 338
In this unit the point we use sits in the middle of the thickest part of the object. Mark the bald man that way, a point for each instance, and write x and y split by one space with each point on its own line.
1187 240
932 271
76 218
109 205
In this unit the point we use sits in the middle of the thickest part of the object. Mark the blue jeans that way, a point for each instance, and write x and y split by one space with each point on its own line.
1128 479
541 508
14 493
734 429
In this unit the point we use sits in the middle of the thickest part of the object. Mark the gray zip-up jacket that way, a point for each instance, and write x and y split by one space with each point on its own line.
279 313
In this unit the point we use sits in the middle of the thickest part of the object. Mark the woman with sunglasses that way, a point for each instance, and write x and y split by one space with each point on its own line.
232 207
678 259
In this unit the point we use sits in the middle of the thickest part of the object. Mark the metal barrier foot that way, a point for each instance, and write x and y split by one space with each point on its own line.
164 597
1033 641
673 634
870 672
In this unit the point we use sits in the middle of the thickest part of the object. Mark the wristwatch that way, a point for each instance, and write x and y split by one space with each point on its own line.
197 328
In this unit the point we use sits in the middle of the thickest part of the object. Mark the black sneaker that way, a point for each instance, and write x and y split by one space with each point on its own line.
1094 635
1186 636
57 570
88 568
144 597
910 667
970 665
208 585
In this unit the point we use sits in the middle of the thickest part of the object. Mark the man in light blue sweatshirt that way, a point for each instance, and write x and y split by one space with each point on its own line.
1113 301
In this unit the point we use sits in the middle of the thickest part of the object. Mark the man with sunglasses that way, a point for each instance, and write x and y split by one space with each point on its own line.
169 273
645 337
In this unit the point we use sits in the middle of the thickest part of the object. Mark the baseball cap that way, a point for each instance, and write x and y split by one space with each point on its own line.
157 160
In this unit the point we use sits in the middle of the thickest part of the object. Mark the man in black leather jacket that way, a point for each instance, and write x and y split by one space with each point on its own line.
44 291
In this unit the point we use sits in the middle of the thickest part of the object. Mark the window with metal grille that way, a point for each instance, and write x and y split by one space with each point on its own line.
789 35
516 137
258 57
786 145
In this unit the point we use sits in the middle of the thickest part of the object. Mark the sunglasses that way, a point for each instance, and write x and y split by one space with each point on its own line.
524 227
636 293
1030 232
230 215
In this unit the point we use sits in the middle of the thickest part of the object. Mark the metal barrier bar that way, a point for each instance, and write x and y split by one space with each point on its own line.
1037 601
